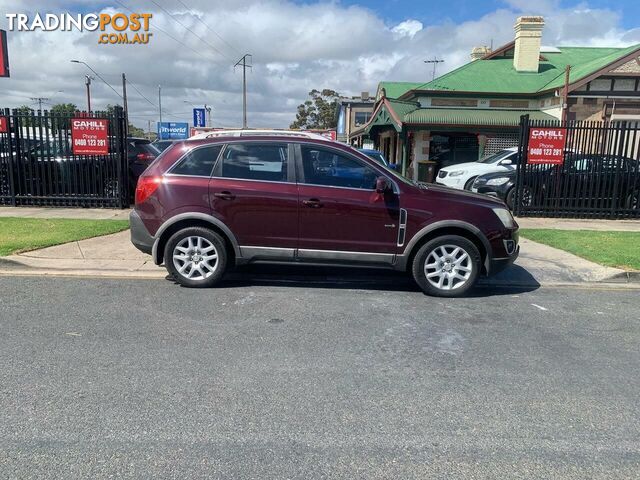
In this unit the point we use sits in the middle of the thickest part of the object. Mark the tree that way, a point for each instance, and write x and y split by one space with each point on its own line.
319 112
61 115
25 113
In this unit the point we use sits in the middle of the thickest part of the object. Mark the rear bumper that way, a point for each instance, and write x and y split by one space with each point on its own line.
140 236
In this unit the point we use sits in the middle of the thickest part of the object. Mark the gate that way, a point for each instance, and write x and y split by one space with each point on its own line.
599 176
38 165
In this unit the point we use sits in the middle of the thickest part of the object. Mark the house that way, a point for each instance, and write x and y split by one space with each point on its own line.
475 110
353 114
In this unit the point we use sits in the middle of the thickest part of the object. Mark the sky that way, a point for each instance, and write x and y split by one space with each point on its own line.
296 46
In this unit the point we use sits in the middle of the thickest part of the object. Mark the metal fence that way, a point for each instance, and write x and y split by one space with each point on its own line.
599 176
38 166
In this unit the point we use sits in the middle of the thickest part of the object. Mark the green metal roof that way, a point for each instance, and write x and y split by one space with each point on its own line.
497 75
471 116
396 89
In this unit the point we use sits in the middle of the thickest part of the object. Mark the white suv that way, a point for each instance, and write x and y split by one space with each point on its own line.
461 176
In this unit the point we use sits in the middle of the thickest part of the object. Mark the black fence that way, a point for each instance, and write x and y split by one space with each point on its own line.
38 165
599 176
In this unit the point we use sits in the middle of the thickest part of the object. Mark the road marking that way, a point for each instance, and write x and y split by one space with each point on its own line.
74 334
538 306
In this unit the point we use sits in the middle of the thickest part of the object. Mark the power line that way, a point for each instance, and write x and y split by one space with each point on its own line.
165 32
208 28
187 28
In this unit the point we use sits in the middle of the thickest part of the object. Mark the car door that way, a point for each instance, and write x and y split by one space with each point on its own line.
341 215
253 191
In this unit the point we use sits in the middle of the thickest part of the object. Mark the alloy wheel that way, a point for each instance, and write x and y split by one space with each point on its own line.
448 267
195 258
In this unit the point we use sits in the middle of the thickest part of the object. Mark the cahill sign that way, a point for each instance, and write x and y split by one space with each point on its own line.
118 28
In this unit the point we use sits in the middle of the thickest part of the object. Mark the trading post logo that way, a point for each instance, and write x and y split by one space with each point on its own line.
117 29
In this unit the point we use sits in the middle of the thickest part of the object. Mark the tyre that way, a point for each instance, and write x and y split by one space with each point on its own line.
467 186
196 257
633 201
447 266
510 198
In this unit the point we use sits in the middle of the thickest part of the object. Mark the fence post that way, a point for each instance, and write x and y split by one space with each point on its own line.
524 134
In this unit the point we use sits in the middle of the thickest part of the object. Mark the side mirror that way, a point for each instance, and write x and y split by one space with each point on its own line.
506 161
382 185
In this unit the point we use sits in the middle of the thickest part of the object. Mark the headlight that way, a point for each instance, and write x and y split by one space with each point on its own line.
498 181
505 217
456 173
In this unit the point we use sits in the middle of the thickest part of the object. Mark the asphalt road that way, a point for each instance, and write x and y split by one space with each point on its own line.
284 377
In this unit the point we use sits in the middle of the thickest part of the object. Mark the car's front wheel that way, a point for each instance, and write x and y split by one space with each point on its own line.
447 266
469 184
196 257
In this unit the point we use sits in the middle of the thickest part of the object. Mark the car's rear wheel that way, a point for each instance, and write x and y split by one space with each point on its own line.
196 257
467 186
447 266
633 201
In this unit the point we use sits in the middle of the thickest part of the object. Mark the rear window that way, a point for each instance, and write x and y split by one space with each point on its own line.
198 162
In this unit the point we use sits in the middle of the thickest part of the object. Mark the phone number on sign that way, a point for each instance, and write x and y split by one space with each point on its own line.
89 142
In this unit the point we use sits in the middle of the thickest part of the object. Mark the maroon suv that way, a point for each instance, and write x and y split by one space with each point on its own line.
206 205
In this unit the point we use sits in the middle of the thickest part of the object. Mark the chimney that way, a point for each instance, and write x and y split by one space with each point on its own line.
526 55
479 52
364 96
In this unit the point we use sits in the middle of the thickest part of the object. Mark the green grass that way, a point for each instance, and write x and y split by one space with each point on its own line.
23 234
613 249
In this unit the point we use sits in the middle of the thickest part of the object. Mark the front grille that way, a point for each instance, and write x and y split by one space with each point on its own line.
442 174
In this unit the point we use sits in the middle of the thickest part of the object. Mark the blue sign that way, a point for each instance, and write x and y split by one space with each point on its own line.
173 131
198 117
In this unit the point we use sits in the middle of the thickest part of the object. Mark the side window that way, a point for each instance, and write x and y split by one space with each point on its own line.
198 162
326 167
255 161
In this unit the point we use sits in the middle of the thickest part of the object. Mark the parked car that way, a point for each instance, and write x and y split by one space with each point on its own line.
462 175
606 180
140 154
378 157
206 205
499 185
162 145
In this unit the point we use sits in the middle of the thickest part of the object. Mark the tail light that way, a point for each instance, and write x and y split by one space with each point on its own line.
146 186
145 157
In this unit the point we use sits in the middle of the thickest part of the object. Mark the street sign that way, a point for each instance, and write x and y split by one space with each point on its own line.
4 125
89 136
4 55
546 145
173 130
199 118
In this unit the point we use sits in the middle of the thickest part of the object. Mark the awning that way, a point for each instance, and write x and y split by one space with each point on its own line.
471 116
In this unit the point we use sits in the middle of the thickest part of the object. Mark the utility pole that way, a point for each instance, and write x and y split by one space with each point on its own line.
40 100
565 93
207 109
435 62
124 104
160 108
243 63
87 81
149 129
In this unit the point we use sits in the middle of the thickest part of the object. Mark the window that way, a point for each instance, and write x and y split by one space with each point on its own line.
198 162
252 161
326 167
360 118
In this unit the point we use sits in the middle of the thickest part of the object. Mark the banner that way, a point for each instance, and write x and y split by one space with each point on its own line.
173 131
4 55
89 136
546 145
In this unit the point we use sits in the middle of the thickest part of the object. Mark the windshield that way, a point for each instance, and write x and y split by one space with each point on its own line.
496 157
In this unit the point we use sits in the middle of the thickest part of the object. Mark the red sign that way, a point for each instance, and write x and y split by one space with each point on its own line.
328 134
546 145
4 125
90 136
4 55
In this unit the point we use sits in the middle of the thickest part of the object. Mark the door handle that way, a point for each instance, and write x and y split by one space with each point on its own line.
312 203
224 195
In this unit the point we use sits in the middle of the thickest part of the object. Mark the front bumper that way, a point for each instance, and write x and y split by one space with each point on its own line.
498 264
452 182
140 236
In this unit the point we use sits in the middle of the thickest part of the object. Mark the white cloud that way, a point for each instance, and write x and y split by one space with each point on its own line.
295 47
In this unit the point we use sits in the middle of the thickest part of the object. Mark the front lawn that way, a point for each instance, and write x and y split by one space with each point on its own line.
23 234
613 249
